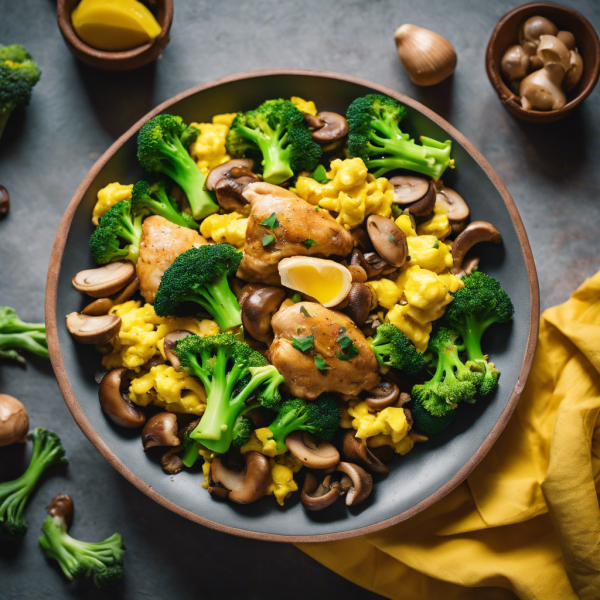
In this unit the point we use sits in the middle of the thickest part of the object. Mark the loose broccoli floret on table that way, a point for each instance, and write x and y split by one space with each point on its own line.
17 335
200 275
161 150
393 349
277 130
376 137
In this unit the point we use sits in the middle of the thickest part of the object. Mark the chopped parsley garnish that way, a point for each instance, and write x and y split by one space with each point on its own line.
396 211
308 243
303 343
296 297
304 311
268 239
391 238
320 174
349 350
271 222
317 208
320 362
436 244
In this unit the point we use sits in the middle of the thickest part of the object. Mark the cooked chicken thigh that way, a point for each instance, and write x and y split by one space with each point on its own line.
303 377
298 221
162 242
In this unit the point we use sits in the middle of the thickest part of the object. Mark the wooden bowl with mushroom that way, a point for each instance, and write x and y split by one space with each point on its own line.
506 34
414 481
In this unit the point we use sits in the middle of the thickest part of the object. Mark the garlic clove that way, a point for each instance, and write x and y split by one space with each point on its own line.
541 89
575 71
515 63
427 57
552 50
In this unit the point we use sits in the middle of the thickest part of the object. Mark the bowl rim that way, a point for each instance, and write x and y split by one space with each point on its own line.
504 92
86 427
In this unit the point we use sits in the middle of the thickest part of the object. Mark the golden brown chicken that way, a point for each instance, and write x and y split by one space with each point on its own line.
299 369
162 242
299 222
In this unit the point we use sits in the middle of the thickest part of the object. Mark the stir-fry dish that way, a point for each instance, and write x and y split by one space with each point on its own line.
289 289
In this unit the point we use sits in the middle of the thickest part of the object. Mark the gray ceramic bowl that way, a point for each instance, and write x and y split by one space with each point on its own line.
433 469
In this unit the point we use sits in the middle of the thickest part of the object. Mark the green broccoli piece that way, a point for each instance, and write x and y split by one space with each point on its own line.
481 303
18 74
200 275
242 430
161 150
151 199
393 349
47 452
277 130
118 235
102 560
15 334
375 137
427 423
320 417
230 372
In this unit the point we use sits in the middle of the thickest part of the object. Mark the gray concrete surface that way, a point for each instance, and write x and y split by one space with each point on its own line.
76 112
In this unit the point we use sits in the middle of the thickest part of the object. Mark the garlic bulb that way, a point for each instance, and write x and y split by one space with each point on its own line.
541 90
427 57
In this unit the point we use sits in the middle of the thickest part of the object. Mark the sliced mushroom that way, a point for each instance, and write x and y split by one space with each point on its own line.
334 127
389 240
62 507
370 325
160 430
311 451
475 232
382 395
417 437
360 484
361 240
246 485
127 292
224 171
116 404
402 399
359 299
93 330
171 462
229 194
170 343
317 496
98 307
105 280
247 290
357 451
469 265
458 209
409 188
257 311
384 453
104 349
424 206
359 275
372 266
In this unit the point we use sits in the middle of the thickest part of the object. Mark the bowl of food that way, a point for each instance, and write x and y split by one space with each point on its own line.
543 60
285 378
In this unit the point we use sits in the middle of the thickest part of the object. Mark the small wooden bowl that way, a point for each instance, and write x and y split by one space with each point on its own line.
115 61
505 34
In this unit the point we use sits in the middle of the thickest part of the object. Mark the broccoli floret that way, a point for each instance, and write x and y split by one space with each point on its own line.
161 150
118 235
427 423
481 303
102 560
242 430
200 275
230 372
151 199
18 74
320 417
375 137
47 452
15 334
393 349
277 129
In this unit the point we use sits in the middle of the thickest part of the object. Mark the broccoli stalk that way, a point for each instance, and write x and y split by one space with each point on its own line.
47 452
375 137
200 275
161 150
18 74
393 349
15 334
320 417
277 130
118 227
230 372
152 199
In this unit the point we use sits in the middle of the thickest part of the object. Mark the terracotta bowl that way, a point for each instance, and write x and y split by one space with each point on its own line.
505 34
116 61
416 480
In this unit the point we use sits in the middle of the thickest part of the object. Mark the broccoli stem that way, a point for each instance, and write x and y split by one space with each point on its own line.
190 453
221 303
284 426
51 543
4 116
25 341
472 331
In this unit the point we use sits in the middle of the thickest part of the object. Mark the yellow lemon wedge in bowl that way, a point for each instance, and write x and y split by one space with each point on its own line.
326 281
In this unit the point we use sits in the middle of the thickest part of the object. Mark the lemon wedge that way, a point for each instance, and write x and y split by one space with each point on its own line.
324 280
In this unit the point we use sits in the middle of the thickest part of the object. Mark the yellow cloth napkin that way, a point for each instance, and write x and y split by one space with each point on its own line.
527 521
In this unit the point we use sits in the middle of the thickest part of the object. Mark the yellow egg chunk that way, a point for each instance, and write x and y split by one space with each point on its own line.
305 106
208 150
423 289
417 333
108 196
325 280
282 477
385 293
438 225
405 445
260 442
114 25
224 119
391 421
229 228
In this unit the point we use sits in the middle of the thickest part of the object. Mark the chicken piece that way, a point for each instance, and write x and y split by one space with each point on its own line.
298 221
162 242
298 368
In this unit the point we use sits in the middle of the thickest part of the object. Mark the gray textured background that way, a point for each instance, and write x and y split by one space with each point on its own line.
76 113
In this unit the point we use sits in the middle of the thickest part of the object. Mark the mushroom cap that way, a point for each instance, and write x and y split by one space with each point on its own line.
536 26
170 343
127 292
389 240
93 330
117 405
541 89
458 209
552 50
567 38
258 309
14 421
334 127
171 462
515 63
224 170
356 450
245 486
160 430
359 299
424 206
98 307
317 496
311 451
573 75
62 507
382 395
475 232
105 280
409 188
361 486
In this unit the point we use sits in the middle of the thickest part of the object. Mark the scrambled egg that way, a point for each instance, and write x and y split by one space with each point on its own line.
229 228
390 423
260 442
305 106
208 456
209 148
175 392
405 445
438 225
385 293
282 483
352 192
142 330
108 196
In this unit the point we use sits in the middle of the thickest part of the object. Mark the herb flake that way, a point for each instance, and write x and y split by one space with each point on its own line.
303 343
348 349
296 297
268 239
320 174
320 363
391 238
304 311
308 243
271 222
436 244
